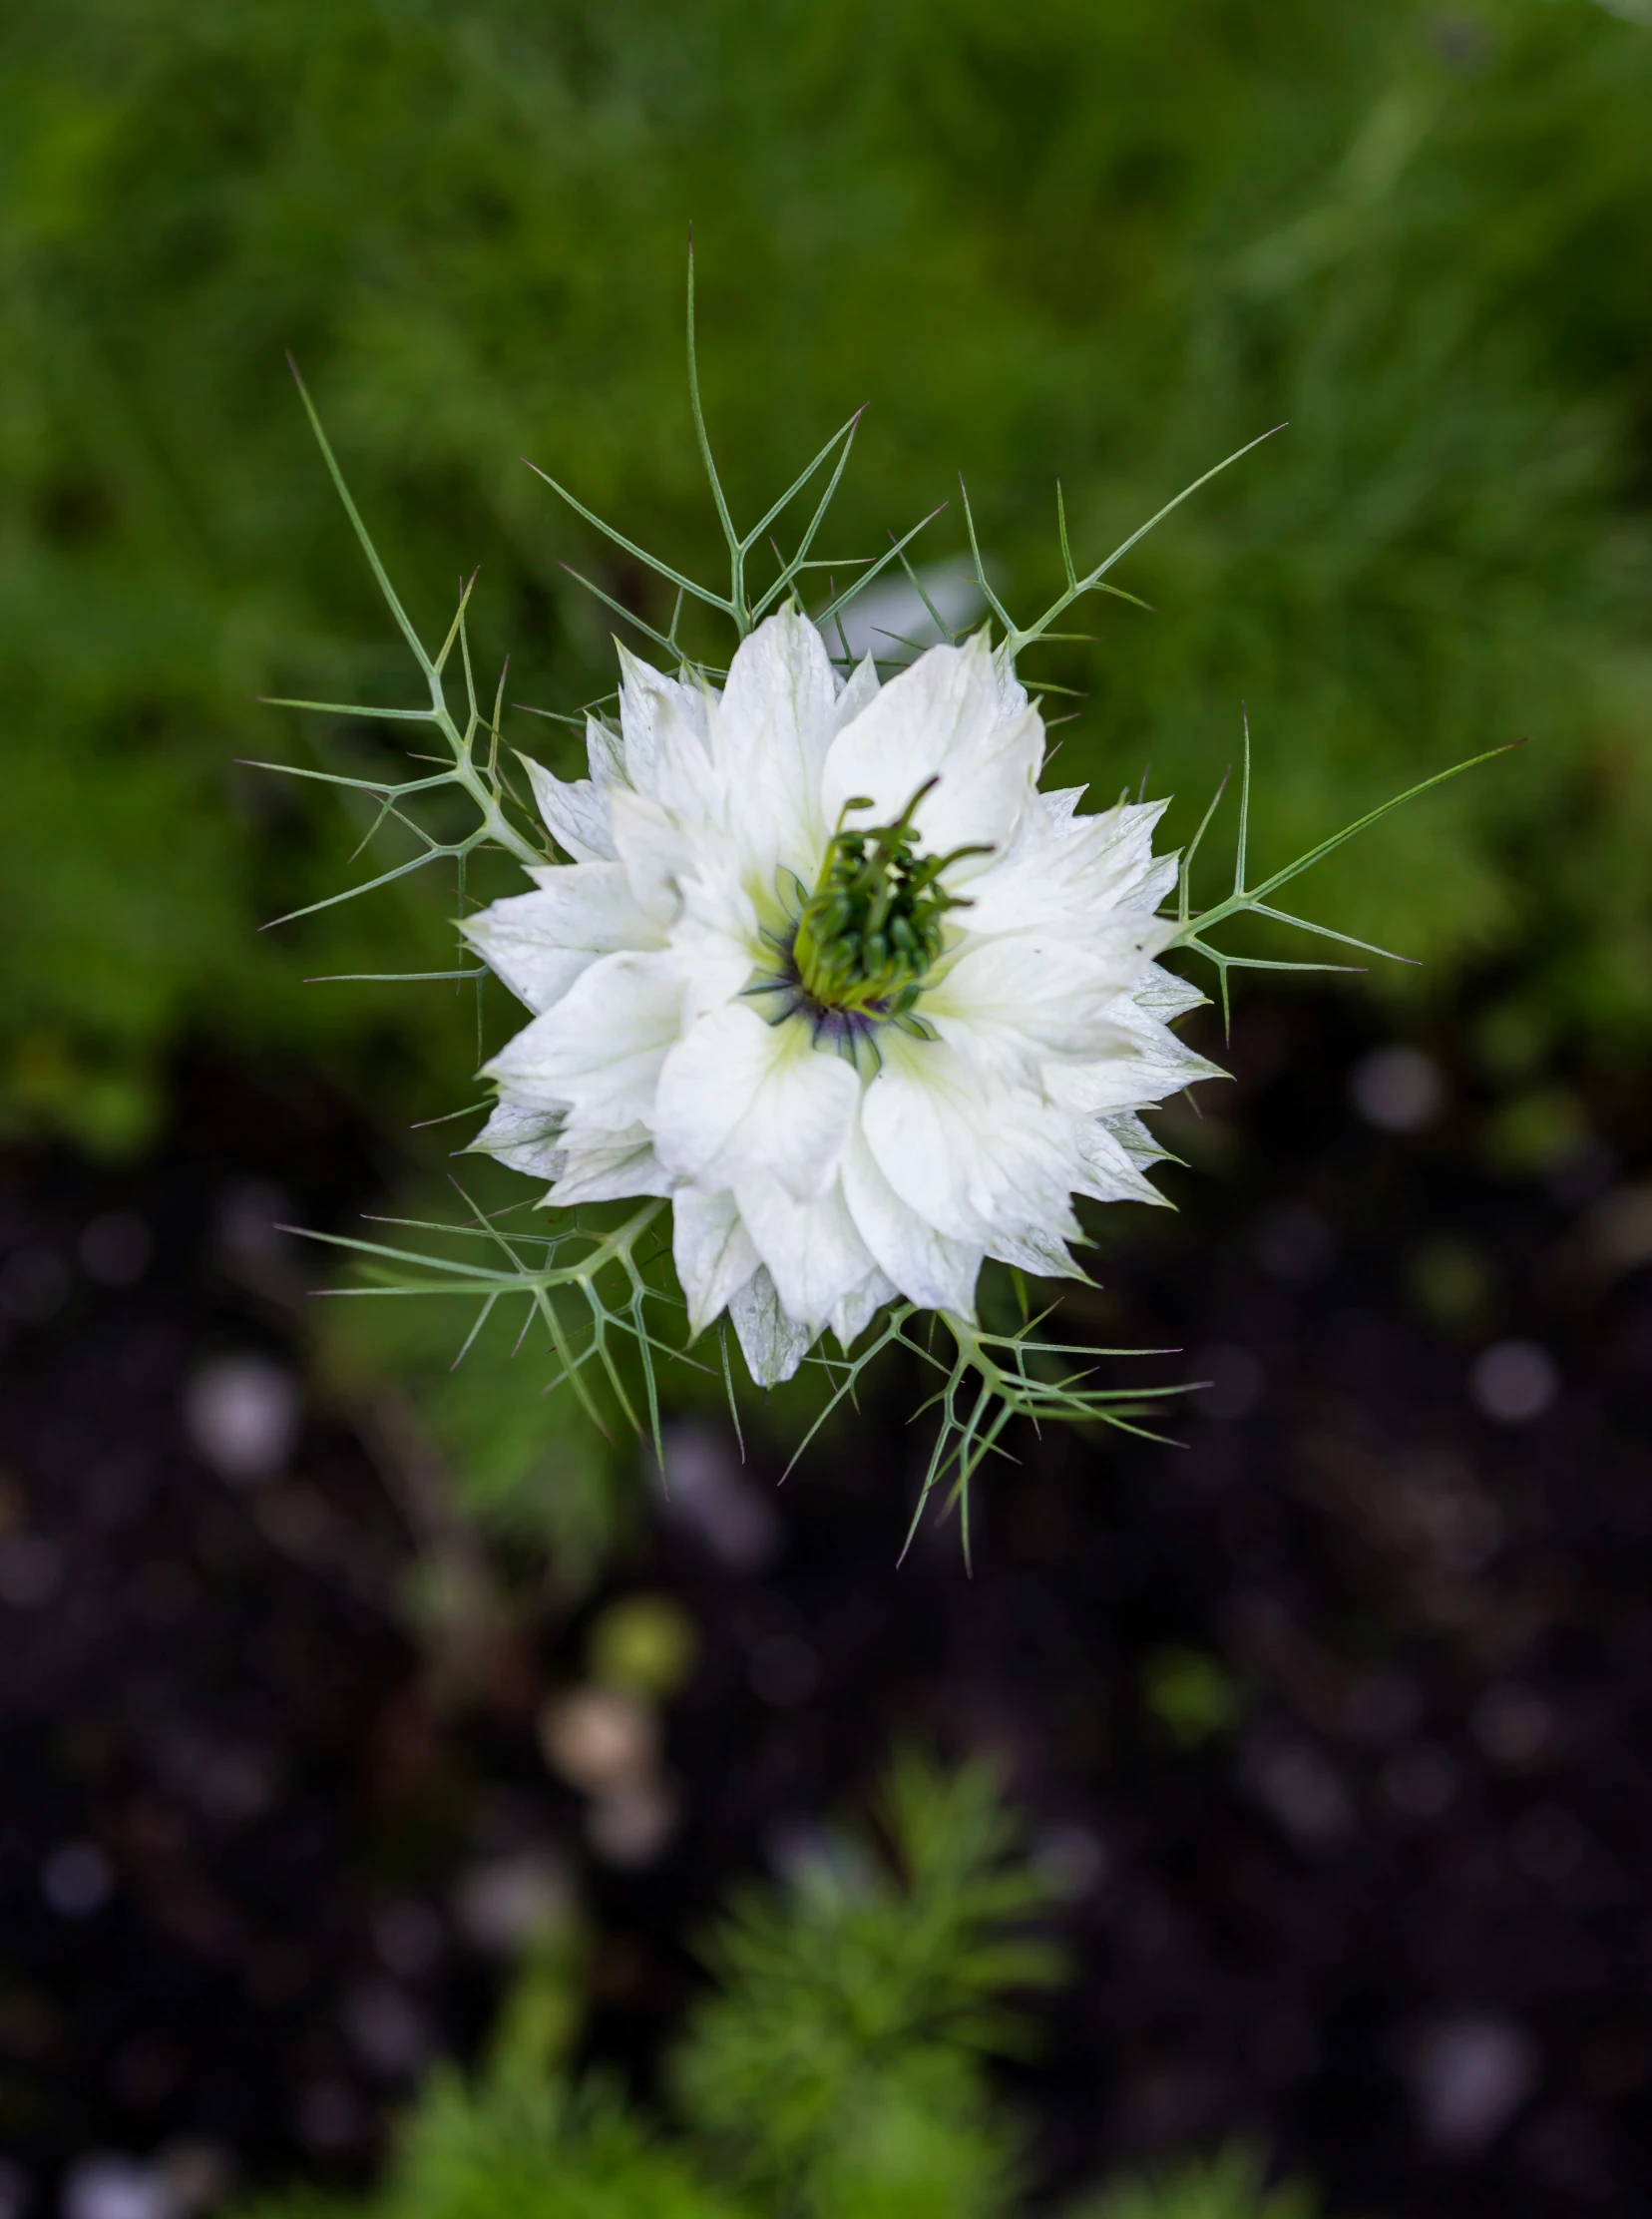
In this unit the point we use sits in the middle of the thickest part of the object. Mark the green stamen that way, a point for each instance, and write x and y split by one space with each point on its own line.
872 930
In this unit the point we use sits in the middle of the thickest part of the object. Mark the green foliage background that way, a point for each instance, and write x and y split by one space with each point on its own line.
1108 244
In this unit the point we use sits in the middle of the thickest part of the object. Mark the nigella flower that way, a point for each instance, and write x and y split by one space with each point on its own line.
829 970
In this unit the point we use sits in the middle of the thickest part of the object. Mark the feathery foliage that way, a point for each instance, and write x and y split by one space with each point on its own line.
843 2045
836 2070
1231 2185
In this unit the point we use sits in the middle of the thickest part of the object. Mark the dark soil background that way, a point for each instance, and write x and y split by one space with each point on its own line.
1331 1719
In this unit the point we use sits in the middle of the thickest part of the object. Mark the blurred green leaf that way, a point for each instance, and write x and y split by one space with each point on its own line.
1190 1694
1230 2185
1103 244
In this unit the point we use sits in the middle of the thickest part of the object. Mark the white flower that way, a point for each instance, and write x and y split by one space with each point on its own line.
831 971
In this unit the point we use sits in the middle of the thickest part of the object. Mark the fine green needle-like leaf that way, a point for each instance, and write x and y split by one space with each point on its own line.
354 514
654 562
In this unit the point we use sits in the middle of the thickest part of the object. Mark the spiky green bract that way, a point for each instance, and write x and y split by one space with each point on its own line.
559 1497
981 1382
587 1290
604 1312
1195 928
473 770
836 2073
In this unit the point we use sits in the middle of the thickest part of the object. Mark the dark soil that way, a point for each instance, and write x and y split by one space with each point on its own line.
1332 1718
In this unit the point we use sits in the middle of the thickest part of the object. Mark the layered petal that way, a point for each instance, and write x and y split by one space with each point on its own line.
978 1159
772 1343
857 693
1007 1005
1110 1171
737 1095
714 1252
1138 1065
540 943
654 850
605 753
717 941
804 1195
576 815
1060 806
525 1136
770 732
668 753
948 717
857 1309
920 1262
1138 1144
1139 1059
598 1165
598 1052
1074 877
811 1250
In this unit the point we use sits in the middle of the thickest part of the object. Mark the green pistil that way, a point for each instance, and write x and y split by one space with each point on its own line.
872 930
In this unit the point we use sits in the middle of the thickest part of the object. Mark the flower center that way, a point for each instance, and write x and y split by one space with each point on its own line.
871 931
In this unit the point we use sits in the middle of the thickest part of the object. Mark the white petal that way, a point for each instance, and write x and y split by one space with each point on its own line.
1131 1078
586 1167
1008 1005
1111 1174
915 1139
524 1135
858 691
605 1166
813 1253
1163 995
715 941
1034 1249
974 1156
947 716
1139 1145
1059 806
1141 1063
605 753
535 973
664 724
1078 878
927 1267
654 850
590 905
771 729
856 1311
772 1344
576 815
600 1048
712 1250
540 943
737 1095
